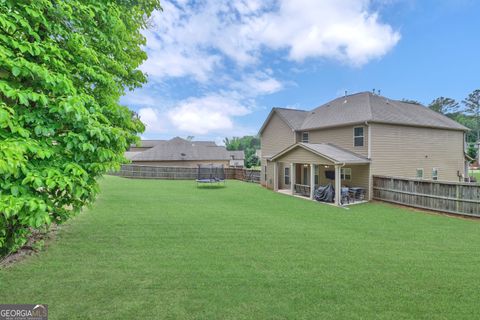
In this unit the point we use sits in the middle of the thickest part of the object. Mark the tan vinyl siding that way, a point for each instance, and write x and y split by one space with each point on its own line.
341 137
188 164
269 182
400 150
276 137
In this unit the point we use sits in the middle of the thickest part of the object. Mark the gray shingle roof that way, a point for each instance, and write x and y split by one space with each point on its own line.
180 149
335 154
293 117
365 106
147 143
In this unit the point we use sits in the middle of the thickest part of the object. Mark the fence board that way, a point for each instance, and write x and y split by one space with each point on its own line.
450 197
181 173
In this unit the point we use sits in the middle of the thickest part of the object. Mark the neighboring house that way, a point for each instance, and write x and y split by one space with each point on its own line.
358 136
179 152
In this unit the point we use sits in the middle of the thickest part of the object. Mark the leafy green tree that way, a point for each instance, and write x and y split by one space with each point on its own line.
472 151
249 144
63 67
472 108
467 121
411 101
444 105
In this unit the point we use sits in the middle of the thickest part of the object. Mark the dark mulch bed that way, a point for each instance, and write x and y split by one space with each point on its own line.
36 242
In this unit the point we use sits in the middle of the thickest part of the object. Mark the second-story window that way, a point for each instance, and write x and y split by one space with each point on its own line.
358 137
305 137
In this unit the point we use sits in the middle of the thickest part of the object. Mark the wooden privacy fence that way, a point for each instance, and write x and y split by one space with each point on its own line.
450 197
181 173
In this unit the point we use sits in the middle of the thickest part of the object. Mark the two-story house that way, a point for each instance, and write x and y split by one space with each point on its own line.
347 141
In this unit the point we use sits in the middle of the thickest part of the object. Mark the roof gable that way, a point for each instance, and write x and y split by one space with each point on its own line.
292 117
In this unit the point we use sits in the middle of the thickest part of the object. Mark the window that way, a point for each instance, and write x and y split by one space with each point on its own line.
265 170
358 136
305 137
434 174
287 175
346 174
420 173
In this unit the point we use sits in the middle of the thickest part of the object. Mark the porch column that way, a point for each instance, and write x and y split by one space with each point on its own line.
292 178
338 185
275 176
312 180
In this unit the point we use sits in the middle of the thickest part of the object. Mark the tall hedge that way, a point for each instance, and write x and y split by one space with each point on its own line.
63 66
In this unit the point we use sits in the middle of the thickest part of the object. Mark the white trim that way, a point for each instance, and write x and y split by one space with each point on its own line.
362 136
312 180
292 178
369 133
343 174
338 186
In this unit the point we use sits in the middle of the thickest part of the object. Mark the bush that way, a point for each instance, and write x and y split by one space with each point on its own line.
63 67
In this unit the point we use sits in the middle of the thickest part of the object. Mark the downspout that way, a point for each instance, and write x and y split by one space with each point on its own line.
369 147
369 156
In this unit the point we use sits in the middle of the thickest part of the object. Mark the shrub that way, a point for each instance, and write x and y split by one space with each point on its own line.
63 67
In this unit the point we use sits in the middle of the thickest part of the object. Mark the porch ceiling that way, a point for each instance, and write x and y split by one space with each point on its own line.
329 152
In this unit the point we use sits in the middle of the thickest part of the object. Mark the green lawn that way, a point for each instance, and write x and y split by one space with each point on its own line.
167 250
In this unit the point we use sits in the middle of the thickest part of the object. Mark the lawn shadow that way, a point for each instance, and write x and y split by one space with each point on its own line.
211 186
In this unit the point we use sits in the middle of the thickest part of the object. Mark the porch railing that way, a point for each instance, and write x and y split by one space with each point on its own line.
302 189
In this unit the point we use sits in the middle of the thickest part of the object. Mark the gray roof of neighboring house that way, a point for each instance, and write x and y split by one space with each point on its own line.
147 143
237 154
328 151
181 149
366 106
130 154
152 143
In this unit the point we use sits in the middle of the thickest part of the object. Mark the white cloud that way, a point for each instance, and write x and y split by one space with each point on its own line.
226 47
344 30
151 118
259 83
195 40
213 113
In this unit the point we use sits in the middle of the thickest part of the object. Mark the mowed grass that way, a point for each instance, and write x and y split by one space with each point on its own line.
168 250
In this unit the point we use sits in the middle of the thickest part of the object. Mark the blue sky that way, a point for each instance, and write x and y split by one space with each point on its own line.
216 68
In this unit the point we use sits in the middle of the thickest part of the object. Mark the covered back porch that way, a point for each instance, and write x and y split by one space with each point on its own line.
304 167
